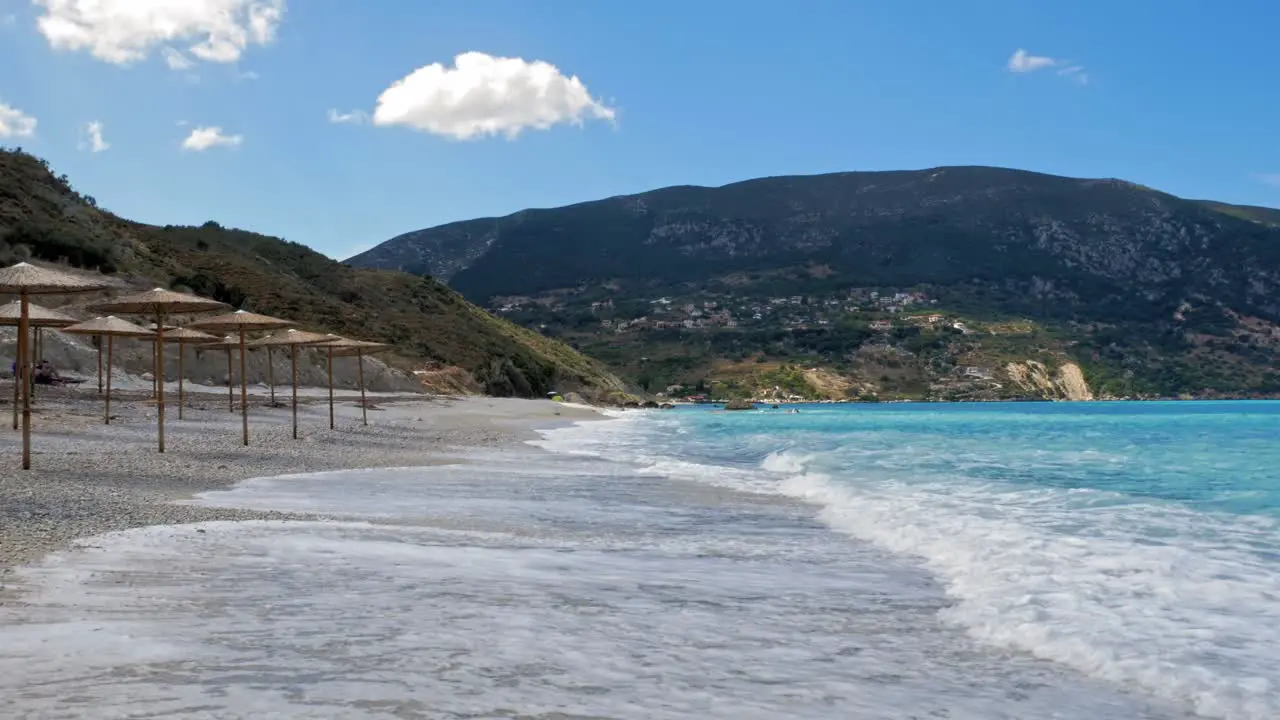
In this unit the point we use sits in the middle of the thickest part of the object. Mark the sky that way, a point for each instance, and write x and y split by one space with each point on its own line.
341 124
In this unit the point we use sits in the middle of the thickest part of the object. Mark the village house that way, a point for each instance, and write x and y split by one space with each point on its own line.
932 319
881 325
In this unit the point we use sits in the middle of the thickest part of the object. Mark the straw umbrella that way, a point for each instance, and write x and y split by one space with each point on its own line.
227 343
346 348
37 317
25 280
184 337
159 304
240 322
157 358
112 327
292 339
329 345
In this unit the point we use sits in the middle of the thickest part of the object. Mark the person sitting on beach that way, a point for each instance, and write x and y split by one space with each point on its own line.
47 374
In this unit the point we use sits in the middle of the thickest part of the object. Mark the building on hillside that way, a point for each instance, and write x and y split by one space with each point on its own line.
932 319
881 325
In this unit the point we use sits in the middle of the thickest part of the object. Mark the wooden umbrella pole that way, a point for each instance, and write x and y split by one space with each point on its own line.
364 405
180 354
244 393
293 368
24 326
35 356
106 414
99 364
17 381
271 377
160 379
330 364
231 385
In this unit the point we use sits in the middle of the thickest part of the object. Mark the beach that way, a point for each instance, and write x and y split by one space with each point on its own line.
486 558
89 478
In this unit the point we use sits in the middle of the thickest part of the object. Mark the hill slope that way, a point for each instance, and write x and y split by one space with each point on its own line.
1149 293
42 216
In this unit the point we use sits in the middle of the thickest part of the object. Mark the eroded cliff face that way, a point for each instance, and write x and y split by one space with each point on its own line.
1065 383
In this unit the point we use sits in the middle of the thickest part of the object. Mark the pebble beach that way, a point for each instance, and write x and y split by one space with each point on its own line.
88 478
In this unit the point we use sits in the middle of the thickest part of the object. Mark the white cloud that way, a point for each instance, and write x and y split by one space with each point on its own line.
1272 179
1075 73
355 117
247 75
15 123
176 60
1023 62
93 138
203 138
484 95
124 31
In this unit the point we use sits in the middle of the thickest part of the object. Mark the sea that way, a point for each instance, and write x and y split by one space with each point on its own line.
898 561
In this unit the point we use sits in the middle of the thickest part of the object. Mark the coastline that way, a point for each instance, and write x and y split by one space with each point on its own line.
89 479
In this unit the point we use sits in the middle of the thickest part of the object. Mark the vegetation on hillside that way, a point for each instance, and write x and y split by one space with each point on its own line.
1152 295
43 217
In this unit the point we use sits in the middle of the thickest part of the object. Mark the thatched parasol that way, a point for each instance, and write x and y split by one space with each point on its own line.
25 280
328 345
112 327
155 357
229 342
159 304
240 322
343 347
184 337
38 317
293 339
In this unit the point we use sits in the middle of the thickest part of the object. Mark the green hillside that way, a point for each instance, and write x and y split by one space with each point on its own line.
42 216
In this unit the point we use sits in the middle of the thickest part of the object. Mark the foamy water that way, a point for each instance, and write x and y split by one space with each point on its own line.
1136 544
520 585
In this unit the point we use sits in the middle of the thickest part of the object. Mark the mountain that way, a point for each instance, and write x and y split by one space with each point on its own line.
429 324
1147 293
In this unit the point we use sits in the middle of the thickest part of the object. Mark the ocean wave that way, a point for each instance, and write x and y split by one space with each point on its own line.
1180 610
1176 600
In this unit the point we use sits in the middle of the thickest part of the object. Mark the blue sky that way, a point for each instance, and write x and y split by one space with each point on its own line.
1179 95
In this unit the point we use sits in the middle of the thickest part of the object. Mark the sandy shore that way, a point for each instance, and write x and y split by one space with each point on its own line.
88 478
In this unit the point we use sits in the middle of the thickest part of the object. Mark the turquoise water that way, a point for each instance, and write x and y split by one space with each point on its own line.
1208 457
1138 543
976 562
